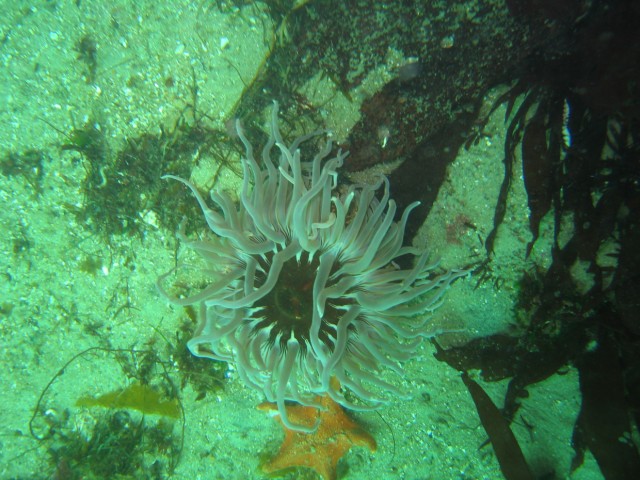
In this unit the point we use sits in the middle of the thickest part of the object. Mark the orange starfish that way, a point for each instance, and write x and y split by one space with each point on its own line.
322 449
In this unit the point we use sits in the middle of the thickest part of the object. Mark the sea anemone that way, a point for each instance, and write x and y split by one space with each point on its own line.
303 285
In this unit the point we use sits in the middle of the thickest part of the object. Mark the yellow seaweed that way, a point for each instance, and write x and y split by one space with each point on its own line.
136 396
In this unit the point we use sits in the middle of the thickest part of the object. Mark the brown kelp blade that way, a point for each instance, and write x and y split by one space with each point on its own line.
506 447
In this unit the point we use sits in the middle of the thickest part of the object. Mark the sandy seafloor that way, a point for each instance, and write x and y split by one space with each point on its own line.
48 300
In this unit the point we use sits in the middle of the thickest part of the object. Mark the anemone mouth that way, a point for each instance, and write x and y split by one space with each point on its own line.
305 285
286 311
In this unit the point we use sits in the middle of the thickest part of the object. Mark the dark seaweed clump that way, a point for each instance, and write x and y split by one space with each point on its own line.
28 165
136 432
573 113
121 189
118 446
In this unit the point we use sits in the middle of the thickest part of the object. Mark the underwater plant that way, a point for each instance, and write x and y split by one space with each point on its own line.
304 281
